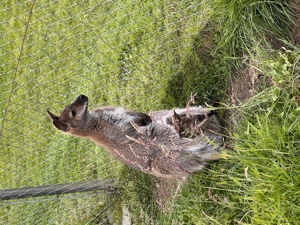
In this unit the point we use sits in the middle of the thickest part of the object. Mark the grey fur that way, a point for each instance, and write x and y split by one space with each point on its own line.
149 143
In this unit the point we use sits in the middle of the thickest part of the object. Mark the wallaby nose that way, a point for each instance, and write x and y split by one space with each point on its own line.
82 98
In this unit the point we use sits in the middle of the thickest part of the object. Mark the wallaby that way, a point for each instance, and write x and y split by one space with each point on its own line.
163 143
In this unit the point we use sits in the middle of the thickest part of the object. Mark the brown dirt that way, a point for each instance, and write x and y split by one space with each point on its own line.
242 86
295 31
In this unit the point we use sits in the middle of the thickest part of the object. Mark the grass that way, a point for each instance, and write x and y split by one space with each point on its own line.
258 183
150 55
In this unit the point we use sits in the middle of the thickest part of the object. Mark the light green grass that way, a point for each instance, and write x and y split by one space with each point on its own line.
147 55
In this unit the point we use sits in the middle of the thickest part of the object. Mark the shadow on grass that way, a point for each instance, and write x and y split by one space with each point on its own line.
205 72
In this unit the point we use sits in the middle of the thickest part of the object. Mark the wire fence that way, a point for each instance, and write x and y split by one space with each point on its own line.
138 54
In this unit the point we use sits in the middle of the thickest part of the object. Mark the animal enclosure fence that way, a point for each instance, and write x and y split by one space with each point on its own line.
140 54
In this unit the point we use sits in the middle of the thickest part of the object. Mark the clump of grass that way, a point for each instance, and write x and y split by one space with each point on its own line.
268 143
241 21
269 148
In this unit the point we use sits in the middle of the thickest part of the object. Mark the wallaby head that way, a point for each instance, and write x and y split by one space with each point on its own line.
192 125
186 125
74 116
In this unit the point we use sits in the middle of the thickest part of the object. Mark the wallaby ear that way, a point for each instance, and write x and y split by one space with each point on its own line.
60 125
57 122
175 118
53 116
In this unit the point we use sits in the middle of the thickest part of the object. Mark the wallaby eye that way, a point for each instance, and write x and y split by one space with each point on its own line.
73 113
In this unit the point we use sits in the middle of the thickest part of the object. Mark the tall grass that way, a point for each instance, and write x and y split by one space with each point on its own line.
243 24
